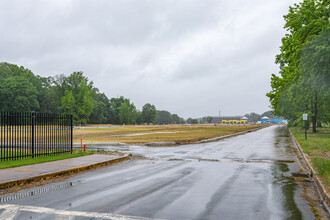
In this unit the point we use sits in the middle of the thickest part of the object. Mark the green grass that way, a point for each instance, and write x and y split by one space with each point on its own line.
323 168
42 159
317 146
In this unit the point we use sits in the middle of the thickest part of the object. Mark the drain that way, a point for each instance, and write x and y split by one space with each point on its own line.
35 192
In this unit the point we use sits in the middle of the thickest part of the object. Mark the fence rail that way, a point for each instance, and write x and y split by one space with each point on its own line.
28 134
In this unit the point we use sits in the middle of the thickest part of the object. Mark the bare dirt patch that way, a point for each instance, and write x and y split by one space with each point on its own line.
165 133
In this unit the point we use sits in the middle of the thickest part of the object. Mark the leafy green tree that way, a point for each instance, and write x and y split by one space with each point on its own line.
127 113
182 121
82 93
268 114
18 94
209 119
163 117
194 121
84 104
139 117
101 111
29 82
68 103
315 77
21 90
149 113
175 119
49 102
115 103
253 117
56 90
292 93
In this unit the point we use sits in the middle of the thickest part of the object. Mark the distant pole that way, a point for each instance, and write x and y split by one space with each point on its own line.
219 114
305 130
305 119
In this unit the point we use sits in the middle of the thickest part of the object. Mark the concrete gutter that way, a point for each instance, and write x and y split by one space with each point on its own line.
50 175
321 188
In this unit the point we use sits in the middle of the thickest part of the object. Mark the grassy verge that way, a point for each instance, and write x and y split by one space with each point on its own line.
29 161
145 134
317 146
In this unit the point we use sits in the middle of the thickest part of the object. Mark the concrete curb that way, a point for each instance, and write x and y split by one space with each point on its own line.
47 176
319 184
227 136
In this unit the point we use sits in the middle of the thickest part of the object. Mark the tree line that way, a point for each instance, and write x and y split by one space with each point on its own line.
303 82
255 117
21 90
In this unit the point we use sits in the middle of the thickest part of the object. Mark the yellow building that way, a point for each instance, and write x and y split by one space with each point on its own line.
242 120
225 120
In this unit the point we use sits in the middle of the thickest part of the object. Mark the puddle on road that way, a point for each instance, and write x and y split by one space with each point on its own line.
288 189
282 173
283 142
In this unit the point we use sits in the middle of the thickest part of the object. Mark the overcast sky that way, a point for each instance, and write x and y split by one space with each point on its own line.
189 57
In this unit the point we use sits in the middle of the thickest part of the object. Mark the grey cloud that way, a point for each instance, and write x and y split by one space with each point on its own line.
189 57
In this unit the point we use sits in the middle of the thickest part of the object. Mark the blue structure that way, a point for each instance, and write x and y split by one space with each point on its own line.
265 120
276 121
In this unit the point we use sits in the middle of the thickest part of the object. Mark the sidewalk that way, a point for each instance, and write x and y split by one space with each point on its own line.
31 173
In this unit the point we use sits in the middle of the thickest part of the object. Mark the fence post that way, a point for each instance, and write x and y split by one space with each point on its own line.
71 133
33 133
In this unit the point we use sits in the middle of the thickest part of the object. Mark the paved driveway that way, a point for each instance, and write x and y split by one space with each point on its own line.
244 177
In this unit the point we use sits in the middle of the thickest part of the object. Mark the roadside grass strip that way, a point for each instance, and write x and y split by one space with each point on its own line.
317 146
11 211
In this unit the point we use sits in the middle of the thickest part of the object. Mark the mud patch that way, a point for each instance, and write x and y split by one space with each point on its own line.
138 157
209 160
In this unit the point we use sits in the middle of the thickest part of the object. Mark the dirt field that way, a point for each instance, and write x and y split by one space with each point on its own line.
138 134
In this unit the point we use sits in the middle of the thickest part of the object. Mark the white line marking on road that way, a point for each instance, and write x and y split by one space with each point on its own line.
11 211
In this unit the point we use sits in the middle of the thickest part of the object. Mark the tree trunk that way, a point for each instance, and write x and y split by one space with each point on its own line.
314 117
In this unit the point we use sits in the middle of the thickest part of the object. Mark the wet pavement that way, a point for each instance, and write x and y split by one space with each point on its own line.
244 177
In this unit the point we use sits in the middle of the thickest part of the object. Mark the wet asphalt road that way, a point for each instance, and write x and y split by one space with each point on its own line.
244 177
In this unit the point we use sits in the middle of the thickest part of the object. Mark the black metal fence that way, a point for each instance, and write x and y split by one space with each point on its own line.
28 134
